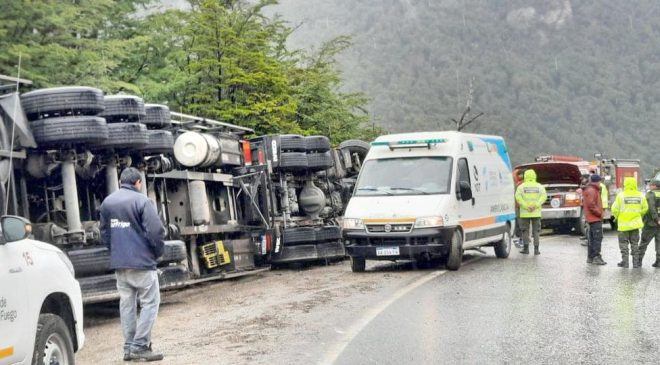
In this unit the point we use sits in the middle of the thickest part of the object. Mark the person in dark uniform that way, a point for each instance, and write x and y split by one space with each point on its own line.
133 232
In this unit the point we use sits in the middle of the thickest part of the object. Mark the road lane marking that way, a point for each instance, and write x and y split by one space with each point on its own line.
338 348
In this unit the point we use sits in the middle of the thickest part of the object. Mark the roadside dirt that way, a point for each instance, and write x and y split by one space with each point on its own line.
281 316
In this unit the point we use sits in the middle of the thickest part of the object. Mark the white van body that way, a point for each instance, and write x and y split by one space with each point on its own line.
38 288
408 204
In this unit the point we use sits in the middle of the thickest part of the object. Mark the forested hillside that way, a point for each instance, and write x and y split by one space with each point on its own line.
571 77
217 59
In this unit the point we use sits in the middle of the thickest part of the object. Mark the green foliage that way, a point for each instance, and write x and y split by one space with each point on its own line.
221 59
66 43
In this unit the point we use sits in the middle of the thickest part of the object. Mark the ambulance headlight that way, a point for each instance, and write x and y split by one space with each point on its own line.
426 222
352 223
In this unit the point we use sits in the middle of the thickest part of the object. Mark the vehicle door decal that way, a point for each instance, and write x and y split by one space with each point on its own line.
6 352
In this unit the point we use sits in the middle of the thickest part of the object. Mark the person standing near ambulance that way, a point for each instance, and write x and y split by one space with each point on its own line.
628 208
592 206
530 196
651 228
133 232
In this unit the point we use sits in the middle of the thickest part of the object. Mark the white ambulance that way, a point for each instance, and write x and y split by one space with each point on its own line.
431 195
41 312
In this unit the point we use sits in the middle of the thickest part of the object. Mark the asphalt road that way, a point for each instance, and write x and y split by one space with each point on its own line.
552 308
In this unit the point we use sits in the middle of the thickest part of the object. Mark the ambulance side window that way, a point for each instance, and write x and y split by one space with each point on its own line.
463 175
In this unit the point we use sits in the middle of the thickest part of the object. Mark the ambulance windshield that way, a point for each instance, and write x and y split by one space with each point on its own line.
405 176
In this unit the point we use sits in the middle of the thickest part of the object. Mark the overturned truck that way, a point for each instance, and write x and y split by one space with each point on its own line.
231 206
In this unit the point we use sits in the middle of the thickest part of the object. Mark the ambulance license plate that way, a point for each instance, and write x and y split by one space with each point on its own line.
387 251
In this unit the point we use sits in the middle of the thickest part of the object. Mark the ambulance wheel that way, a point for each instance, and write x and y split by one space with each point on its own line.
358 264
455 251
53 343
503 247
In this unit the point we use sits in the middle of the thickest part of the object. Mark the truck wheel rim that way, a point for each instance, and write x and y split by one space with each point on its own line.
55 353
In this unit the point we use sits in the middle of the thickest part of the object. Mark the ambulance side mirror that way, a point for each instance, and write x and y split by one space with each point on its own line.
465 190
15 228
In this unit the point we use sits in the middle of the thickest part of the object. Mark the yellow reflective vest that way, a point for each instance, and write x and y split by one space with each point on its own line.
604 196
629 206
530 194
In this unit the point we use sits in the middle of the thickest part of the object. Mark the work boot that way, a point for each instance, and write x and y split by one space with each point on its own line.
146 354
525 250
624 263
598 260
637 263
127 355
590 260
656 263
536 250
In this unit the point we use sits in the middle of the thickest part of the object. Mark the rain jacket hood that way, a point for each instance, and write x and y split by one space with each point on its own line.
630 184
530 176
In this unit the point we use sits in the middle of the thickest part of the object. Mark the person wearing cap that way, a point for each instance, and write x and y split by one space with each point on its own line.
651 228
592 206
629 207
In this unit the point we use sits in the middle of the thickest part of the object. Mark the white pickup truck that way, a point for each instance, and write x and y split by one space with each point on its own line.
41 313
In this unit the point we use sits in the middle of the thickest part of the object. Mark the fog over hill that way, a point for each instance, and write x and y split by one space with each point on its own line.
551 76
554 76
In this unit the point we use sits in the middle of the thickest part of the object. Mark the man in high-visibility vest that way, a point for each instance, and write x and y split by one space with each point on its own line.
652 222
604 196
628 208
530 196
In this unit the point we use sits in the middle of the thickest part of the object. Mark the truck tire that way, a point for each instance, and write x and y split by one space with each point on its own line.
159 142
355 146
329 233
90 261
61 101
173 276
292 143
293 161
319 161
455 257
317 144
157 116
125 135
298 236
79 129
173 251
350 147
53 343
123 108
503 247
98 284
358 264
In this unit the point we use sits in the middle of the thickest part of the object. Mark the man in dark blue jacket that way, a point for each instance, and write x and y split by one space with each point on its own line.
133 232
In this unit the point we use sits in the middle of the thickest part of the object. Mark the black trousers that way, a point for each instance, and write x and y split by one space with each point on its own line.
595 239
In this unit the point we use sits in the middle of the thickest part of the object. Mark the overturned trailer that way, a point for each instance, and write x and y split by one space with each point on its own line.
220 197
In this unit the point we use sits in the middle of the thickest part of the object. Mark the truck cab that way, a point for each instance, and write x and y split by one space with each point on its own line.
41 320
430 196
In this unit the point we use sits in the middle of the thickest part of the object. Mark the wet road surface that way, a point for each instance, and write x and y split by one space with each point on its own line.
552 308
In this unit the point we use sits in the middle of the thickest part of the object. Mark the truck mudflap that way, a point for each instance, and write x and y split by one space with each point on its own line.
310 252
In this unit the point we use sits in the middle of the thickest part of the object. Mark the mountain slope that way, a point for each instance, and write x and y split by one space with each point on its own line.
554 76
